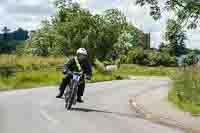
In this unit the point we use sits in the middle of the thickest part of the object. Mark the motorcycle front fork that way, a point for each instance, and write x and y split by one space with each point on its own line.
74 102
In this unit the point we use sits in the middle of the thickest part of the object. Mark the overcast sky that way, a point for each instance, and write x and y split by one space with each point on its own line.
29 13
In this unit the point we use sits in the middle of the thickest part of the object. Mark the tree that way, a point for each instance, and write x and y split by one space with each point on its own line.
5 31
115 17
125 42
187 11
46 40
73 27
20 34
175 38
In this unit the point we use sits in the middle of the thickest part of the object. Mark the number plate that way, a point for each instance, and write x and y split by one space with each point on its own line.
76 77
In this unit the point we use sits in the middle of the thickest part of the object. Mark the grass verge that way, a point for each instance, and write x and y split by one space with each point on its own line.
43 78
185 106
185 92
137 70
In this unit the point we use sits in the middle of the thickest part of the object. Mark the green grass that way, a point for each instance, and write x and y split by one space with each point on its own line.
36 60
36 73
185 92
43 78
137 70
46 77
39 74
30 79
30 60
104 76
185 106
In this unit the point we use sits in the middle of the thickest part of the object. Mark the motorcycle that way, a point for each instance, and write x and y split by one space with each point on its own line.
71 91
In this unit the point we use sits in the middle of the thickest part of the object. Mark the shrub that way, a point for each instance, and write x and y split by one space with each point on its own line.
189 59
172 61
136 56
167 60
107 62
123 59
99 66
150 58
154 58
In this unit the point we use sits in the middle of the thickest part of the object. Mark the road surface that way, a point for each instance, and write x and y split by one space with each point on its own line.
105 110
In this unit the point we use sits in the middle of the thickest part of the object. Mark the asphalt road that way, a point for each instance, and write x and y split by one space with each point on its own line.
105 110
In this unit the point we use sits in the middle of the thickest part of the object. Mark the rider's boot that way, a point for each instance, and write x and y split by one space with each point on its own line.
79 99
59 95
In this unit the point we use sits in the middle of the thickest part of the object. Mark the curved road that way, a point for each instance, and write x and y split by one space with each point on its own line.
106 110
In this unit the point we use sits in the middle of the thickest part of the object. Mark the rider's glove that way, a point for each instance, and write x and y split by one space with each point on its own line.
70 73
67 72
64 72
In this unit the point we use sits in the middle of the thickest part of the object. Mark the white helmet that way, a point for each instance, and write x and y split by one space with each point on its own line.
82 51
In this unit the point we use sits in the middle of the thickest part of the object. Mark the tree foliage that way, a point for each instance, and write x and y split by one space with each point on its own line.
187 11
175 38
73 27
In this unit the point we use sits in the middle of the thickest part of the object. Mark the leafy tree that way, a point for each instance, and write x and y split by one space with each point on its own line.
116 18
187 11
136 56
125 42
189 59
5 31
73 27
175 37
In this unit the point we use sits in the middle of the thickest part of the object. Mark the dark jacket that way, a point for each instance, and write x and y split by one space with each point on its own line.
85 65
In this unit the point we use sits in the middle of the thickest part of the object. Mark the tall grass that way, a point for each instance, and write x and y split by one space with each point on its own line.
34 60
31 60
38 78
7 59
30 79
36 72
186 89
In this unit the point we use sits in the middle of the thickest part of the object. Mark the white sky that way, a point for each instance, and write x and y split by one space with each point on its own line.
29 13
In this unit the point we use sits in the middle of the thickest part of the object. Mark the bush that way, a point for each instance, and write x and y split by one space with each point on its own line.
173 61
150 58
167 60
154 58
123 59
132 69
189 59
99 66
136 56
107 62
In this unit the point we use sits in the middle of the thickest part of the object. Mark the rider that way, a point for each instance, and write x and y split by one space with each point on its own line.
79 63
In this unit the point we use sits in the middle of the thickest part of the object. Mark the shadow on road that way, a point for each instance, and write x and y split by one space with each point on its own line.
130 115
86 110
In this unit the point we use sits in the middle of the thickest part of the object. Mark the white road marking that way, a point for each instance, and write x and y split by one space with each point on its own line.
48 117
